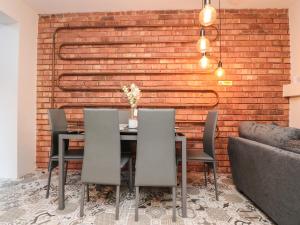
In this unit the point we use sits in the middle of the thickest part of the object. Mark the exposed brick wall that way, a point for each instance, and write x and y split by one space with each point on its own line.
255 55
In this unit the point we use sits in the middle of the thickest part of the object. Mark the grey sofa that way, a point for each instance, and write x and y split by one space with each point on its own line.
265 163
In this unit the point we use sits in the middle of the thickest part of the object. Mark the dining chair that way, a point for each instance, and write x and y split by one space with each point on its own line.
124 115
102 160
123 119
59 125
127 147
207 156
156 153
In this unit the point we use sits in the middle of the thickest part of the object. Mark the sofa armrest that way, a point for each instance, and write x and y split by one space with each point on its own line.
269 176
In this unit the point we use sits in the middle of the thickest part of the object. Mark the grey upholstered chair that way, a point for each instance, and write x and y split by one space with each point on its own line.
124 115
126 146
156 153
123 119
102 160
208 155
58 125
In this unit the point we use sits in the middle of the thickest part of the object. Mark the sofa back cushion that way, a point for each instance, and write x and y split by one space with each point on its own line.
292 146
269 134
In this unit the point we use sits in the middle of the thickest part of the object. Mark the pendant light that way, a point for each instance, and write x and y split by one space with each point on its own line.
220 72
203 43
204 62
208 14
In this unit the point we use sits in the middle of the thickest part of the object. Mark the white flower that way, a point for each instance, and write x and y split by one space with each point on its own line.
132 93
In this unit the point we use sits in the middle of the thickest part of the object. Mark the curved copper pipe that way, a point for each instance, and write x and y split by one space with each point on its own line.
151 105
97 26
95 89
77 44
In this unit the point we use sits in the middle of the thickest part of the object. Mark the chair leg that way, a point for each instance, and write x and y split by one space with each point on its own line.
66 171
205 175
136 204
87 193
117 202
82 200
178 177
130 175
174 203
215 179
49 178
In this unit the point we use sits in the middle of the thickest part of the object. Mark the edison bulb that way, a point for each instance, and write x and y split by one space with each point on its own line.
204 62
208 14
220 72
203 44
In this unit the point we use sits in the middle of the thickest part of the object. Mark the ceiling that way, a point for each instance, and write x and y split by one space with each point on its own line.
65 6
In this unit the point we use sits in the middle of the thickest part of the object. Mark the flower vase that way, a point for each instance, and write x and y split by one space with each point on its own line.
133 123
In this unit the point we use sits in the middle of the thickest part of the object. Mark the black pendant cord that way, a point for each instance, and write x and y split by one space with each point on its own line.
220 30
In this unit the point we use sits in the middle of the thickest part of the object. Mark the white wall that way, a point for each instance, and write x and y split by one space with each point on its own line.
27 21
9 45
294 19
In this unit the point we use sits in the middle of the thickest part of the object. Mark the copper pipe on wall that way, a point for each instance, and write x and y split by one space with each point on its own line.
96 89
95 26
78 44
156 105
103 26
149 105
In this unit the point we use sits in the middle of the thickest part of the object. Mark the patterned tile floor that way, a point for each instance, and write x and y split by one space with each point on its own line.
23 202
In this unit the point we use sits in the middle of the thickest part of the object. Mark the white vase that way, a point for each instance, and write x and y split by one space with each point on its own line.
132 123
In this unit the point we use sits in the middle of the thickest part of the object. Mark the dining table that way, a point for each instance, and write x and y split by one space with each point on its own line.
126 134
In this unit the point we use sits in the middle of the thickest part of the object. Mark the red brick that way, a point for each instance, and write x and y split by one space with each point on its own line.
255 55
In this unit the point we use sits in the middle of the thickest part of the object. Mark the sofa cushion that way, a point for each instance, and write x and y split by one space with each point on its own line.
269 134
292 145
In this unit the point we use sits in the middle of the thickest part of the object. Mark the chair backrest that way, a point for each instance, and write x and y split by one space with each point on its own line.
58 124
57 120
209 133
155 159
102 154
124 116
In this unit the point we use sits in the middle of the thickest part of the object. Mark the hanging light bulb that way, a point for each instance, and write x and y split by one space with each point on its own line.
220 72
204 62
208 14
203 43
